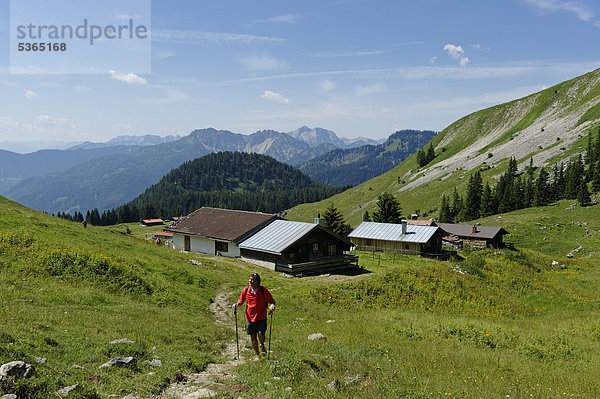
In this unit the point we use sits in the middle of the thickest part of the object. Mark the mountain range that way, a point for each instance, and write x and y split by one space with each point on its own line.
145 140
353 166
113 178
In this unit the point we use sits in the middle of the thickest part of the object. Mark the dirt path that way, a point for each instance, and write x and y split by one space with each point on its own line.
209 382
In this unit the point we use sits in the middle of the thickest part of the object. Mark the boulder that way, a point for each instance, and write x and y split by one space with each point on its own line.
334 385
64 392
122 341
154 363
9 396
119 361
18 369
317 337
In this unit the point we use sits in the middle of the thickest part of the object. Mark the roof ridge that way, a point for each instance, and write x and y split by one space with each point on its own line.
233 210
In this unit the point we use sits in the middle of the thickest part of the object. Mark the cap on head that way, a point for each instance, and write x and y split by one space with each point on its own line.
256 277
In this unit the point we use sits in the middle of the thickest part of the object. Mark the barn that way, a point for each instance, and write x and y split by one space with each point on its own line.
403 238
215 231
297 247
459 235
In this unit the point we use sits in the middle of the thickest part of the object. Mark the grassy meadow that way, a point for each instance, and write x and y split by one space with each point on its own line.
486 324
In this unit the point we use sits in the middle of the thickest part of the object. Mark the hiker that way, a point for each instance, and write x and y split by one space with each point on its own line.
258 298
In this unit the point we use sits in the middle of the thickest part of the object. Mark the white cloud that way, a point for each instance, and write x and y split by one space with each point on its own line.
371 89
576 7
44 128
30 94
457 53
171 96
327 85
351 53
433 59
527 67
52 122
262 63
285 19
162 54
276 97
189 36
129 78
454 52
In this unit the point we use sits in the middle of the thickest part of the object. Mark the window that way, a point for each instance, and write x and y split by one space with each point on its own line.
331 250
369 242
316 247
221 246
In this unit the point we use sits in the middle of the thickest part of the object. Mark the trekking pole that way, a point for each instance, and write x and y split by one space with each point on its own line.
270 330
237 342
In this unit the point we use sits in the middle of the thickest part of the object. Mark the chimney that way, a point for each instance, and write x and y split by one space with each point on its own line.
414 216
403 227
474 228
318 219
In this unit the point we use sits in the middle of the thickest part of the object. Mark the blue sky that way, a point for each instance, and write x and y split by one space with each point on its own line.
360 68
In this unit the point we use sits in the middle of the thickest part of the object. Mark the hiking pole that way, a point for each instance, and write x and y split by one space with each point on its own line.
270 330
237 342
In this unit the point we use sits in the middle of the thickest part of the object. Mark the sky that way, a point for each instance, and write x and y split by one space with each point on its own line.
360 68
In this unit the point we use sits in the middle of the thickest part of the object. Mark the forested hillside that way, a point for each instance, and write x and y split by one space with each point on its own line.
233 180
354 166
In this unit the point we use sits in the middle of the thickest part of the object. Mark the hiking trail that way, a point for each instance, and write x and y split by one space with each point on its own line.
208 382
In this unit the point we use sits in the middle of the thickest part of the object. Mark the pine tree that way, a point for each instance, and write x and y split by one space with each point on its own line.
486 208
528 192
558 183
456 207
366 217
473 200
430 153
421 158
596 177
589 158
583 195
445 211
334 221
388 209
541 195
573 178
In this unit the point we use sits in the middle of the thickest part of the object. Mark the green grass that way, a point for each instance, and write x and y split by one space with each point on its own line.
67 291
486 324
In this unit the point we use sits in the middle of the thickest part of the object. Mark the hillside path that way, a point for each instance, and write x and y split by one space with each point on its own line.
209 382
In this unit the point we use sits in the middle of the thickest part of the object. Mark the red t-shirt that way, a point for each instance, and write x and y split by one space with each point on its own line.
256 309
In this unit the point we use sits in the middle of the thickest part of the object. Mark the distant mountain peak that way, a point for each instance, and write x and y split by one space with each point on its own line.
128 140
316 136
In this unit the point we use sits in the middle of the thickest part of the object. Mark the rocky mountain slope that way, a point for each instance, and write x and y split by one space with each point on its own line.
546 127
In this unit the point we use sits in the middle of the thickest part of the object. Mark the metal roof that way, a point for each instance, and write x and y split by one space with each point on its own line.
393 232
277 236
472 231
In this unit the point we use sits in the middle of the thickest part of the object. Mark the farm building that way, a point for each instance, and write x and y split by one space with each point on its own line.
216 231
152 222
458 235
163 235
404 238
297 247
